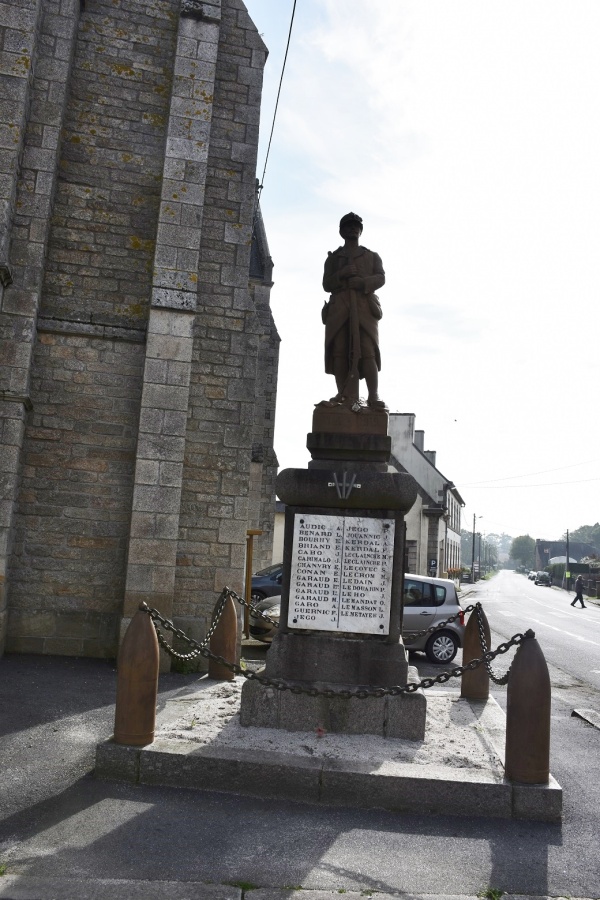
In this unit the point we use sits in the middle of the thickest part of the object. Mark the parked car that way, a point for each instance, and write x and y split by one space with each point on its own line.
543 578
532 575
260 628
266 583
427 601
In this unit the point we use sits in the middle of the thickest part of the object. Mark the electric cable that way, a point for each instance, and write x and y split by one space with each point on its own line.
500 487
529 474
260 186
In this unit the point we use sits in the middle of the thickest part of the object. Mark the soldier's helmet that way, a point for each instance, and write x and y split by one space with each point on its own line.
351 217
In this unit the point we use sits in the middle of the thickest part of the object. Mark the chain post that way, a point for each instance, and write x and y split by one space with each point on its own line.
223 638
527 751
475 683
137 682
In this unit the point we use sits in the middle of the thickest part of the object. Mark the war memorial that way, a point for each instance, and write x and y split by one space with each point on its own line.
344 542
336 715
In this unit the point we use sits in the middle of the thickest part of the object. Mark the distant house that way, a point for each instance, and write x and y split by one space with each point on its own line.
545 551
433 524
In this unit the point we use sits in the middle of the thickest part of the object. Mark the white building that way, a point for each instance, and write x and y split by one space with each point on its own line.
433 524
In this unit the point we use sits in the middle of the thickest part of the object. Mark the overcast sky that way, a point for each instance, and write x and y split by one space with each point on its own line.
467 136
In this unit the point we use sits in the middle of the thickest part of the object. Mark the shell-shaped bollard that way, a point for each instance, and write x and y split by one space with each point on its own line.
475 683
527 755
137 683
224 642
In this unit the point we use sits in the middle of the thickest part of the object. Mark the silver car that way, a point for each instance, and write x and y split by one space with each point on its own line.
427 601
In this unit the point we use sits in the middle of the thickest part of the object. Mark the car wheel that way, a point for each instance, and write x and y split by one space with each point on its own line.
256 597
441 647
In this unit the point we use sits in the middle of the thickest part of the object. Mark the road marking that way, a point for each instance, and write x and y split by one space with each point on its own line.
567 633
553 612
588 715
535 600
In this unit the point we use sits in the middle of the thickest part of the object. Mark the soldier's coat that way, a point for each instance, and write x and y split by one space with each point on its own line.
337 311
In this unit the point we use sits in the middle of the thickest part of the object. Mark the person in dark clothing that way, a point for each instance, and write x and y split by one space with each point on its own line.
578 592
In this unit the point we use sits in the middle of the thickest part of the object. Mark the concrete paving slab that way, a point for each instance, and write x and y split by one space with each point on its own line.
18 887
201 744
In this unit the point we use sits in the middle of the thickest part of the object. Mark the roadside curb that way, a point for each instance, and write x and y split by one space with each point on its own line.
27 887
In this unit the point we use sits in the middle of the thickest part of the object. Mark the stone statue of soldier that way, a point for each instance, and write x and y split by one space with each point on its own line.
352 275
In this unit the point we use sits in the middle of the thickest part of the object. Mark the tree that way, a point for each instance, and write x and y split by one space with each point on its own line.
589 534
523 550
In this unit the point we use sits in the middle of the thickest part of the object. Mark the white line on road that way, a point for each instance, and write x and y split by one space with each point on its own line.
567 633
550 612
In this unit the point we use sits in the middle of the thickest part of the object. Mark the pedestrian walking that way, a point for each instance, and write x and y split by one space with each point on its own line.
578 592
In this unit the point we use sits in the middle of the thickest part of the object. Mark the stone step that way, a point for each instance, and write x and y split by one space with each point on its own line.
457 770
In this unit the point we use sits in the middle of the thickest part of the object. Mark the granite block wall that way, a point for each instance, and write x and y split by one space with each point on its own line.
138 351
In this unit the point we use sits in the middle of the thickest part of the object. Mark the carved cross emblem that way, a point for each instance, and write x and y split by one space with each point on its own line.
345 487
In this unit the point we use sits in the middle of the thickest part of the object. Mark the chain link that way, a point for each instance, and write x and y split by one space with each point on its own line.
497 679
197 651
201 649
417 634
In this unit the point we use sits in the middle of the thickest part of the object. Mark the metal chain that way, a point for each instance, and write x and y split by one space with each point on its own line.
497 679
417 634
198 651
297 688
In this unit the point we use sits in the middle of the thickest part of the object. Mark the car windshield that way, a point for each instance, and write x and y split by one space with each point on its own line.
269 570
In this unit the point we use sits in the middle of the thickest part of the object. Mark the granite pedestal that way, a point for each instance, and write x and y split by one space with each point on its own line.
341 604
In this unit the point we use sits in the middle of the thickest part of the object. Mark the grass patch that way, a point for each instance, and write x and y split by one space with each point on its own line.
490 893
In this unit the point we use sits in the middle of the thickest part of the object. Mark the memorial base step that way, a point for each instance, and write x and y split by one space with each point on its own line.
402 716
200 744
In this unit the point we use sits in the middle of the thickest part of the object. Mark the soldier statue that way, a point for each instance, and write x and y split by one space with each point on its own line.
351 316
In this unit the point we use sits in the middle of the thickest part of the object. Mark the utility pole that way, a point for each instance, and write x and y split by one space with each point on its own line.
567 565
473 554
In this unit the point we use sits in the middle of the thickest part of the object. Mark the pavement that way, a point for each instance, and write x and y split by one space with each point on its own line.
65 834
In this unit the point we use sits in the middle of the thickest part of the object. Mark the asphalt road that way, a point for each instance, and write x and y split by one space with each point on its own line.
569 636
56 821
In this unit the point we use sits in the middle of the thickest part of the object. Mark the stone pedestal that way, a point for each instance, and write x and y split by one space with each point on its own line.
349 659
341 609
402 716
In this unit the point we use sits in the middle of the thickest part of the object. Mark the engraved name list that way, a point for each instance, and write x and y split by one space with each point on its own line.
341 576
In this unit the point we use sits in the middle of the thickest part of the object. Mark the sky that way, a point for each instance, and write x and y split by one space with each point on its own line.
467 136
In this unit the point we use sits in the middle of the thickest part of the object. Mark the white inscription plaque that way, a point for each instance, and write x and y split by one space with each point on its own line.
341 577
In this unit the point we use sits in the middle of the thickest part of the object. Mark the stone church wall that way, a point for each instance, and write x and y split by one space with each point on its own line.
147 355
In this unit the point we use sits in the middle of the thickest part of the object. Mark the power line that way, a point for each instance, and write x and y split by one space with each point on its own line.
500 487
260 187
529 474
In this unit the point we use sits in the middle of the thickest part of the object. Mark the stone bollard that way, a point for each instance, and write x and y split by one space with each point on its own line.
137 683
224 642
475 683
527 755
